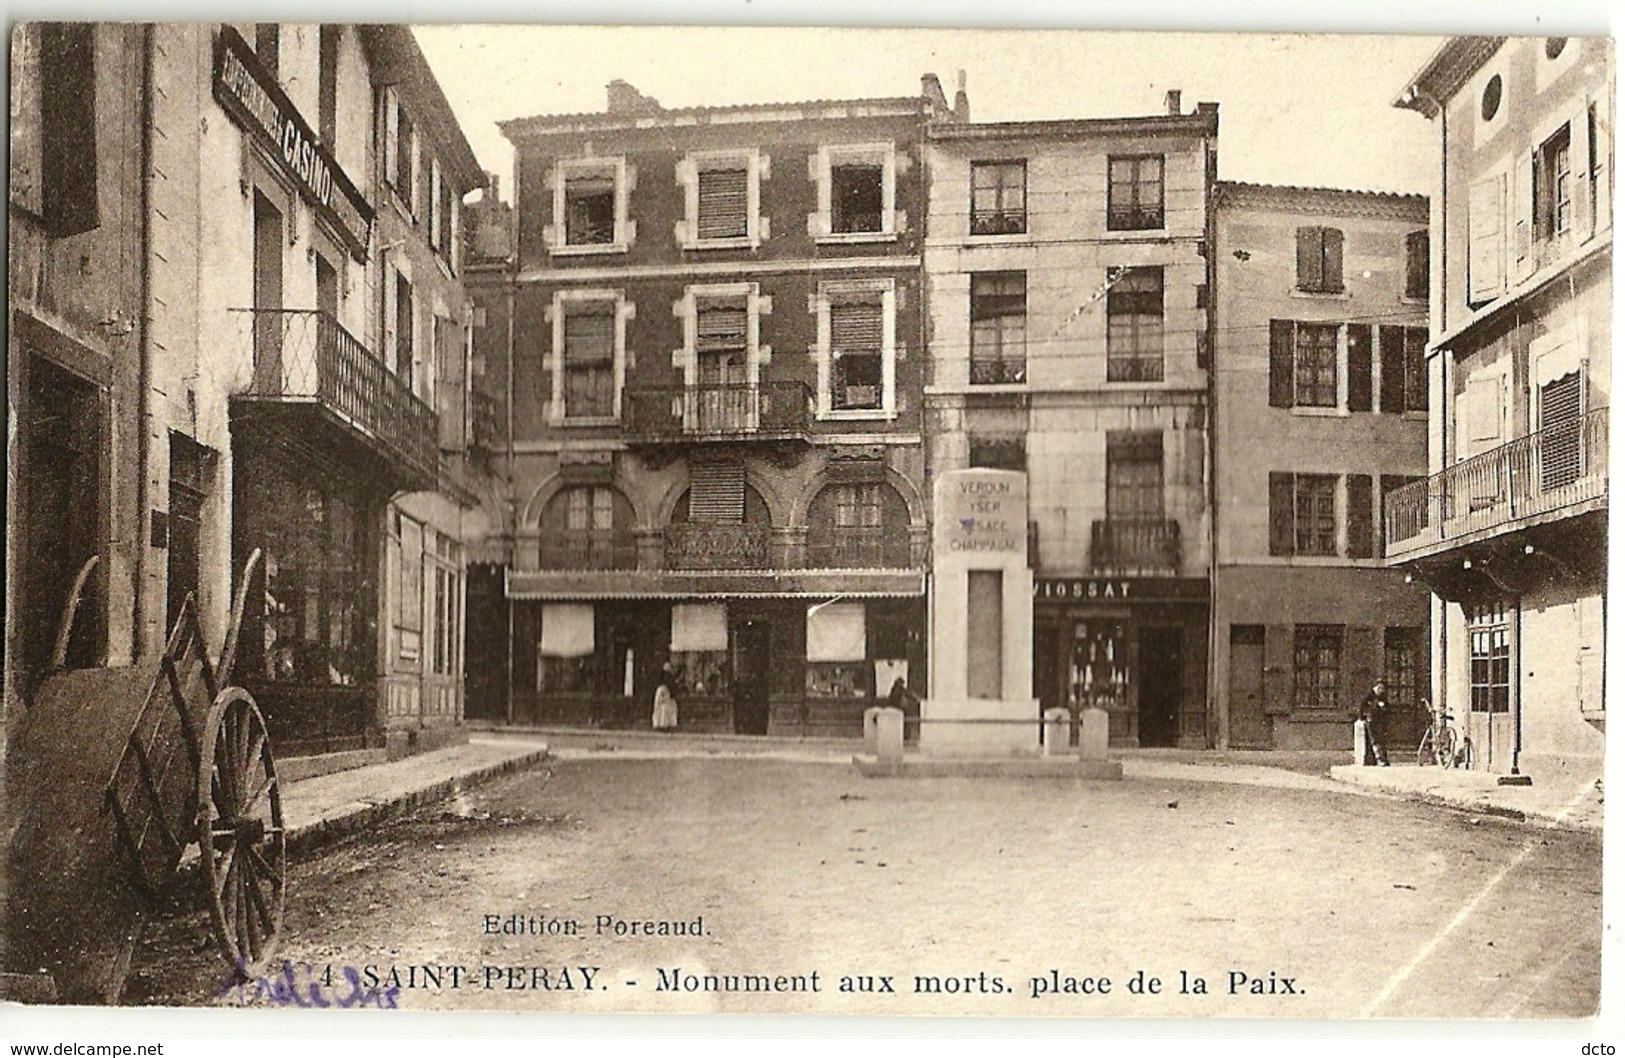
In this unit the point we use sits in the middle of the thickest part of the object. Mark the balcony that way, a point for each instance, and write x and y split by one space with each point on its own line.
710 546
859 547
1541 477
588 550
307 365
712 412
1135 545
998 221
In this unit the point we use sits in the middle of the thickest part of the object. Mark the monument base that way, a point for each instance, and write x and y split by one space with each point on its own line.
979 727
987 768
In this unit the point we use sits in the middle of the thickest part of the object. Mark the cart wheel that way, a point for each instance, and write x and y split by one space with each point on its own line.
240 834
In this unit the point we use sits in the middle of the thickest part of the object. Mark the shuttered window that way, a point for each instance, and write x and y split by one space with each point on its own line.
716 493
1416 265
1361 543
719 327
857 343
1360 367
1314 375
1317 665
724 200
1303 513
1320 260
1486 259
589 361
1560 411
68 127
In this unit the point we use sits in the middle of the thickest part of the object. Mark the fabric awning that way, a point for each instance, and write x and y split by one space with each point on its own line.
836 632
566 631
699 626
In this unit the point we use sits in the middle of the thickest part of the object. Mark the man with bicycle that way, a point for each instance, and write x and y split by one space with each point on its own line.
1374 711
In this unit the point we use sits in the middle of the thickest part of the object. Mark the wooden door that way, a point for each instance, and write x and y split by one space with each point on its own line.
1250 726
750 665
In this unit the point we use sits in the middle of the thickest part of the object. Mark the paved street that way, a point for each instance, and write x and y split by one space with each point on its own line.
1330 904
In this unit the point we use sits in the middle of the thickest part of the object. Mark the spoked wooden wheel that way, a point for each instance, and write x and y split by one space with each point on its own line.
240 834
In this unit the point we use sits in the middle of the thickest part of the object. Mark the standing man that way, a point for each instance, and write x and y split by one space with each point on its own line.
1374 711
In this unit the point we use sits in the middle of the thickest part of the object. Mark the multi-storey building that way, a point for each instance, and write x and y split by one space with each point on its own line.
1068 331
76 495
1509 528
1319 407
709 344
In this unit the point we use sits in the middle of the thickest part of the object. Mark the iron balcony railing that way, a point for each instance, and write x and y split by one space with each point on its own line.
859 547
719 411
588 550
707 545
1561 466
305 355
998 372
998 221
1134 545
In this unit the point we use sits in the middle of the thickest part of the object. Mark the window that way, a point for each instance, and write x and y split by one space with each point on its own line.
1134 325
857 187
1403 671
590 207
998 339
327 85
857 525
446 212
998 198
856 331
589 332
405 319
998 453
857 194
1317 663
1134 476
1416 265
1489 658
409 588
1554 188
721 199
723 204
1303 513
1555 46
587 527
1303 364
53 125
1134 192
1320 260
1489 101
268 46
405 173
1404 369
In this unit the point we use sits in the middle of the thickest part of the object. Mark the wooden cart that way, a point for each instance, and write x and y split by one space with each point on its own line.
196 769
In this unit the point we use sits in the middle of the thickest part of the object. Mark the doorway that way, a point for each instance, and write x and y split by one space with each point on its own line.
751 640
1160 670
1250 727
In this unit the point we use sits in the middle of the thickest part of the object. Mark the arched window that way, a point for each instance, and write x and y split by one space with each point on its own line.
857 525
588 527
718 528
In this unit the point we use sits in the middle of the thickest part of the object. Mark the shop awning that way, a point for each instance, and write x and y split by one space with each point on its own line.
587 585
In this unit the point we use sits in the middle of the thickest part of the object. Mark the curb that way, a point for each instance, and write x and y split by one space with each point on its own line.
341 822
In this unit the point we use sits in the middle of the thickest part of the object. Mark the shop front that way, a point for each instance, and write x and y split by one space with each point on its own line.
748 665
1133 646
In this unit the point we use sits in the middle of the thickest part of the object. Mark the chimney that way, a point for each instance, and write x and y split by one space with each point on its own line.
961 100
931 89
625 99
1172 100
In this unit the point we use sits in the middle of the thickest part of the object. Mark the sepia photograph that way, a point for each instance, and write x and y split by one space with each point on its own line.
848 521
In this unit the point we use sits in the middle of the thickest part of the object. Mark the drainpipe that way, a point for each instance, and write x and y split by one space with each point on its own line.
513 512
143 498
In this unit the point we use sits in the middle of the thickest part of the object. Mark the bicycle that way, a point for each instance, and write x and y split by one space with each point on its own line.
1439 745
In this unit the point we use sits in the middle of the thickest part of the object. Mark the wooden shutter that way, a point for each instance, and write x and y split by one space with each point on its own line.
1486 274
451 390
716 493
1416 264
856 327
1359 516
723 200
1281 338
68 117
1360 367
1331 260
392 135
1393 368
1310 276
719 328
1282 539
1580 174
589 336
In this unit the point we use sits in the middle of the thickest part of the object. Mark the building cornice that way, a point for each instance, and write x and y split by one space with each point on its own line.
1205 122
707 269
542 125
1445 72
1329 200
